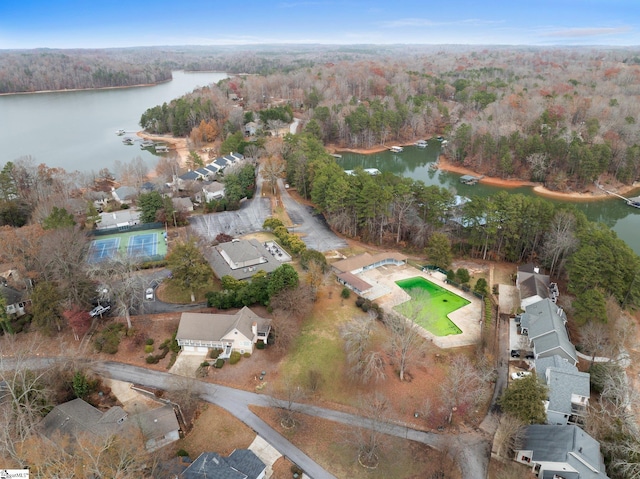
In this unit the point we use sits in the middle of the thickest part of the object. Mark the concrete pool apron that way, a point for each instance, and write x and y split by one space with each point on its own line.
468 318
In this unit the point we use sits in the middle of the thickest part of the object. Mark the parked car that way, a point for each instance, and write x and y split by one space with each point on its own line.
515 353
530 355
99 310
520 374
148 294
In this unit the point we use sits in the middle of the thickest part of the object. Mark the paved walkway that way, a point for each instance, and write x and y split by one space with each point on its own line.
468 318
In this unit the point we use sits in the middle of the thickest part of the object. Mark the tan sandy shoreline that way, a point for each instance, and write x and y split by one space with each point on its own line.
592 194
177 144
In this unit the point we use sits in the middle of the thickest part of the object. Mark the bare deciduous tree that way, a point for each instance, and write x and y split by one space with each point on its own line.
509 436
462 385
364 364
405 342
271 170
369 439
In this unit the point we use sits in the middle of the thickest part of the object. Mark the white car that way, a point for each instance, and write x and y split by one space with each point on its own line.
99 310
520 374
148 294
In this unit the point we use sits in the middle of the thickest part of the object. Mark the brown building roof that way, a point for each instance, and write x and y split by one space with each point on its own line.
365 259
357 283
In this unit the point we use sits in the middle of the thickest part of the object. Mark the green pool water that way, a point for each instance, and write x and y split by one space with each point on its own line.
430 304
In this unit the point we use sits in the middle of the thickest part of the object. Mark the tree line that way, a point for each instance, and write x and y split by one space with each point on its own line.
387 209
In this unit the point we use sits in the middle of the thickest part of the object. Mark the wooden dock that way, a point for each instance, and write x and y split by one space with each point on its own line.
470 180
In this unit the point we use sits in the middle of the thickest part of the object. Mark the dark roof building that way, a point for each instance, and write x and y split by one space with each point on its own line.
240 464
561 452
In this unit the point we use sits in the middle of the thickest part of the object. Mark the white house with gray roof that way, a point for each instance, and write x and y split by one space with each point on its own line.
544 323
566 452
534 286
569 390
199 332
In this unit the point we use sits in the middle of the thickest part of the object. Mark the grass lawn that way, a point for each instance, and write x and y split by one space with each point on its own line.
320 348
169 292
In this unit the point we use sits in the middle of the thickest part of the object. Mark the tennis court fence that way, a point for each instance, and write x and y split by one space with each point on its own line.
133 228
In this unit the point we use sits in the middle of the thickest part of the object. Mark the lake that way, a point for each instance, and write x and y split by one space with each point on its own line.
415 163
76 130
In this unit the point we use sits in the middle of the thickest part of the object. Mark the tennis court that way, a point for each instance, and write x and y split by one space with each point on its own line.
143 245
103 249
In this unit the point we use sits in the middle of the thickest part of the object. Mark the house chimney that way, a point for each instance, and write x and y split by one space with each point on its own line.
254 329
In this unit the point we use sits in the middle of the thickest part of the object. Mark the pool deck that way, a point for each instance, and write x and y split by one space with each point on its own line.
468 318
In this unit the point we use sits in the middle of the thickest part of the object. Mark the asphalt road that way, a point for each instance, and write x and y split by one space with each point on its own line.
470 450
316 234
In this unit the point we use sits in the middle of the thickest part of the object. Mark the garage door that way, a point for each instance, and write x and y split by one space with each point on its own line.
202 349
189 349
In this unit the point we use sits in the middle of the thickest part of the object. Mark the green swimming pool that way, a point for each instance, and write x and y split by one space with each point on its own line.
430 304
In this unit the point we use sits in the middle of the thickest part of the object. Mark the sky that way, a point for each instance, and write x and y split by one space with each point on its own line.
103 24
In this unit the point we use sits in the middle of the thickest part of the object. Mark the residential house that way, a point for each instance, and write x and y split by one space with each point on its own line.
78 417
159 427
199 332
182 204
15 303
240 464
561 452
75 418
122 219
569 390
534 286
213 191
250 128
125 194
544 323
241 259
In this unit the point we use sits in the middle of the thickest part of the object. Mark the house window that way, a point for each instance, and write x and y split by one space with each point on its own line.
525 459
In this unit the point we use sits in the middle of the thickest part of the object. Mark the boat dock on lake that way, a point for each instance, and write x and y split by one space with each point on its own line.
470 180
635 202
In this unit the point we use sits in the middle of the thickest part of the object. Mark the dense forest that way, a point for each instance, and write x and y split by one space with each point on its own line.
54 69
562 117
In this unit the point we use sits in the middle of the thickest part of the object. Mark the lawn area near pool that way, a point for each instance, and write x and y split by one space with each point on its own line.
430 304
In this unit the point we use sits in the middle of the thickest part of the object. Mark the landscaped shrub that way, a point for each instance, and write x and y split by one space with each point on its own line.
247 355
108 340
235 357
151 359
148 348
219 363
359 301
462 276
345 293
204 364
260 345
172 359
149 341
366 306
214 353
182 453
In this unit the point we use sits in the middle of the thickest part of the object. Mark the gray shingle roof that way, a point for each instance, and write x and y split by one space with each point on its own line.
78 416
156 423
190 175
545 322
241 464
555 361
562 384
213 327
241 259
565 444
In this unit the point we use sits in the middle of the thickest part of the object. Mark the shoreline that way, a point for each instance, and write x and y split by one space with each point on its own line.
593 193
177 144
